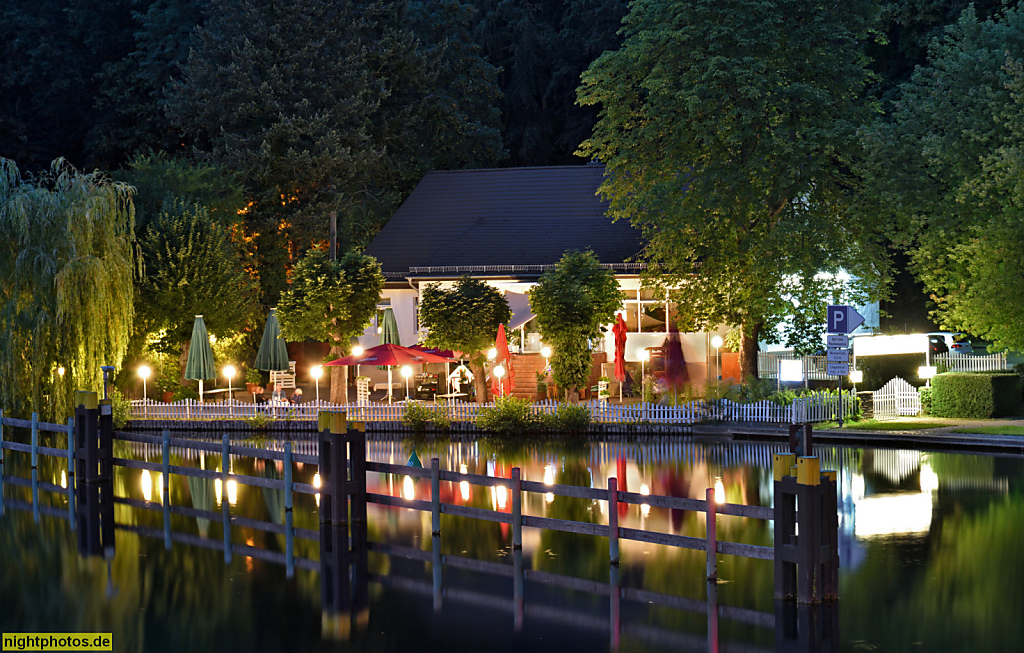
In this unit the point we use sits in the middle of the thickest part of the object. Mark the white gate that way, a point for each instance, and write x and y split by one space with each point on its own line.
896 398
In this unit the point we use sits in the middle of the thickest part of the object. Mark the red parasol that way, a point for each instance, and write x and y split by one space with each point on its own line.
675 365
619 330
389 354
444 353
507 384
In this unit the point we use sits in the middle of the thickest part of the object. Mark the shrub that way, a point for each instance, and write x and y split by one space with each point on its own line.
259 421
976 395
509 415
418 416
121 408
567 418
184 392
926 400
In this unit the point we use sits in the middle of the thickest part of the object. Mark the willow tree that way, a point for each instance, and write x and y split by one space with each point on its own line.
331 301
67 265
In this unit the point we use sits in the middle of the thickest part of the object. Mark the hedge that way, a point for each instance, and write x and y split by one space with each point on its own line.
976 395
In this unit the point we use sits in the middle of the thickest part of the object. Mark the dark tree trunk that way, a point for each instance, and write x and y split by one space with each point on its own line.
479 381
339 375
748 350
183 360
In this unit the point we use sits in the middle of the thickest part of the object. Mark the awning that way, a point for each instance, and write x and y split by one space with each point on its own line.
520 305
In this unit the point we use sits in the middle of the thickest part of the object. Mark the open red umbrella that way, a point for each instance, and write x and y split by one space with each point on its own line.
389 355
620 330
506 384
444 353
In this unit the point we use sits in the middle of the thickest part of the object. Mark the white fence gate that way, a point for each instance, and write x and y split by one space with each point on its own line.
897 398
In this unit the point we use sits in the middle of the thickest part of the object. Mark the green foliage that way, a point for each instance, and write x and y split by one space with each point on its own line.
191 268
67 266
572 302
737 160
182 392
121 408
542 381
509 416
252 375
926 400
157 177
259 421
327 107
463 318
330 300
567 418
948 175
973 395
418 416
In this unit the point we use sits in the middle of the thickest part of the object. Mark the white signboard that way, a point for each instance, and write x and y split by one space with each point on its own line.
791 370
837 369
837 356
838 340
882 345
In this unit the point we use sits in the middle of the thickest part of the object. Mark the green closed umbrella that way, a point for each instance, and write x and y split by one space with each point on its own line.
200 356
388 336
272 355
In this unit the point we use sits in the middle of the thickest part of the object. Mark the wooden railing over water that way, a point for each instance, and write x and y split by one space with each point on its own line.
342 464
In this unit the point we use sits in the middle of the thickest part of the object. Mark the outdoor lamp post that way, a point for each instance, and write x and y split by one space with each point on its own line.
499 372
406 372
144 373
316 373
717 343
357 351
229 371
492 353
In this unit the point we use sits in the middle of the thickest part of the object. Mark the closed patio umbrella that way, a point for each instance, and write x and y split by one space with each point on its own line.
272 354
200 356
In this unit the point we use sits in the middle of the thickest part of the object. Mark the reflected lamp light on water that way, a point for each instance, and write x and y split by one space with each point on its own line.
408 488
719 491
549 475
464 485
501 496
147 485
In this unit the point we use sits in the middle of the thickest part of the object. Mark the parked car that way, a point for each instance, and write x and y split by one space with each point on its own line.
956 342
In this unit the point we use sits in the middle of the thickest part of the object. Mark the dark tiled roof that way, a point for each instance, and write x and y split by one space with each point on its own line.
502 217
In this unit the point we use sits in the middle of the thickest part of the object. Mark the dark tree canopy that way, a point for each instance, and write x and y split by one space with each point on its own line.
739 160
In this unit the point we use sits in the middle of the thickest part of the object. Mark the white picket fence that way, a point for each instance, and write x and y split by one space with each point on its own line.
814 408
971 362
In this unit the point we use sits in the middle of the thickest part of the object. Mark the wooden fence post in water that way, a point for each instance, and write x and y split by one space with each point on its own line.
225 503
165 461
613 520
517 509
35 440
785 526
712 541
356 436
435 496
289 532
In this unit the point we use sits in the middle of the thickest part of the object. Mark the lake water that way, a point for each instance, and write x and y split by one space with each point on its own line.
929 544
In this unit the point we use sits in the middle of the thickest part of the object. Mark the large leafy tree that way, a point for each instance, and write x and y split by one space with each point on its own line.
572 302
329 106
464 318
331 301
949 175
729 130
67 269
191 268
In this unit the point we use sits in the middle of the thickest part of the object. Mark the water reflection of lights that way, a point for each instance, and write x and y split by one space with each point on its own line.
218 491
549 475
644 490
464 485
719 491
147 485
63 479
929 479
549 497
499 494
408 489
158 482
316 484
645 509
892 514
